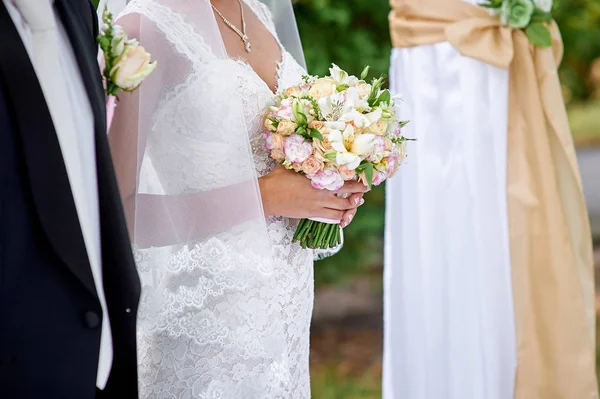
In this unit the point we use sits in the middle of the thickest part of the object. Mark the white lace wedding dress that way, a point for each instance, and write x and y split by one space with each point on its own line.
235 329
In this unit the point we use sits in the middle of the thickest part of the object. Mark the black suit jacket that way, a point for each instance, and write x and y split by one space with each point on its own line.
50 315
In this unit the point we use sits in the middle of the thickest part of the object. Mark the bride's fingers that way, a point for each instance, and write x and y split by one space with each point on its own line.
331 214
357 197
342 204
353 187
349 215
347 218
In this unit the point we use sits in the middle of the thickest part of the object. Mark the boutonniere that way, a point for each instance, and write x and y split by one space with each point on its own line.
125 63
531 16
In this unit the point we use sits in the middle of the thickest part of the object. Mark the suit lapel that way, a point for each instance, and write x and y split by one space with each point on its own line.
86 55
48 179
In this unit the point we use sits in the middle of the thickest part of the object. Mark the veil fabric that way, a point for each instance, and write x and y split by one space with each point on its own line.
207 184
283 16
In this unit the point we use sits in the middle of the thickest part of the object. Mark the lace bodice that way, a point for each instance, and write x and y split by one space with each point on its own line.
217 320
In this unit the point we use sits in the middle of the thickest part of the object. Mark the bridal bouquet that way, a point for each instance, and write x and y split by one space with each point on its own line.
334 129
532 16
125 63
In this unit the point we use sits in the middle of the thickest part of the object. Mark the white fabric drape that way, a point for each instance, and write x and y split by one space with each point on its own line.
449 320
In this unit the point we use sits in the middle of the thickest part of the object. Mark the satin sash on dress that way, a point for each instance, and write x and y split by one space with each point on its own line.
550 237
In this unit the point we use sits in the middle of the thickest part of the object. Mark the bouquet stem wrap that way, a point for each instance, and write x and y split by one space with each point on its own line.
318 235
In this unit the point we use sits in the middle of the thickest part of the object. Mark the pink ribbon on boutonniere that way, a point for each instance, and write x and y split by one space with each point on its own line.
111 104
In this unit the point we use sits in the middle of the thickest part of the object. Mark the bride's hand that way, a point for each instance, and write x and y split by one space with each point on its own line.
290 194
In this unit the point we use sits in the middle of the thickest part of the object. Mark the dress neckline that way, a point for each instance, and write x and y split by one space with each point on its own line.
278 72
245 63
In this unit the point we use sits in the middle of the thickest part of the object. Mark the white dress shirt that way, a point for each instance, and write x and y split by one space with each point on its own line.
76 138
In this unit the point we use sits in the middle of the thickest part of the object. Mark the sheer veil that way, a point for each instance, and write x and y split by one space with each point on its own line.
283 16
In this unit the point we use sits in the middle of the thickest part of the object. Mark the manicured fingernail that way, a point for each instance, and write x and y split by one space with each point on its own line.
362 201
350 218
356 200
343 224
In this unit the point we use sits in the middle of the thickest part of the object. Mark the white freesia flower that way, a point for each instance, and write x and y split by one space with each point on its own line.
374 116
335 125
360 120
351 149
353 100
332 107
544 5
341 77
337 106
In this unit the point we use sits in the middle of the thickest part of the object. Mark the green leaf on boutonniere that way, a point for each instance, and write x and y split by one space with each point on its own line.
539 34
315 134
104 43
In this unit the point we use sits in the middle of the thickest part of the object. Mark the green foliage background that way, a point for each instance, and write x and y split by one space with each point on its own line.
354 33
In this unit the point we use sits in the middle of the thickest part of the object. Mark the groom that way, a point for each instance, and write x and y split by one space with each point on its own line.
69 290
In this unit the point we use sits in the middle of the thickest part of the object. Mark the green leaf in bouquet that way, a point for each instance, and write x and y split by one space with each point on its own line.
313 102
301 130
539 34
404 123
342 87
368 169
377 84
275 122
298 114
315 134
331 155
365 73
384 97
375 87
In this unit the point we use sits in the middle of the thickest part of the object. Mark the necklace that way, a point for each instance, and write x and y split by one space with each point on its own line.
242 33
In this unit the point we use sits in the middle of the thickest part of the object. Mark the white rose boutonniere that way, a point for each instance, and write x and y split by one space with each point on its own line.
531 16
125 63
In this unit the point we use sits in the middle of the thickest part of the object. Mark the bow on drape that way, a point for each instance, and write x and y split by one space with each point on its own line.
550 237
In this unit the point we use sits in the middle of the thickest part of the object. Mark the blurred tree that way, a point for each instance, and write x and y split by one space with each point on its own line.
579 21
351 33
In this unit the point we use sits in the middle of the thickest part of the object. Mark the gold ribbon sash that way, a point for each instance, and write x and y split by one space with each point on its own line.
550 237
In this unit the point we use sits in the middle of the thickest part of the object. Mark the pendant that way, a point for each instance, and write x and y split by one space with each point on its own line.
247 44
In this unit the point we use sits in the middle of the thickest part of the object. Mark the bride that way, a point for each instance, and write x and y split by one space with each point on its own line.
227 297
